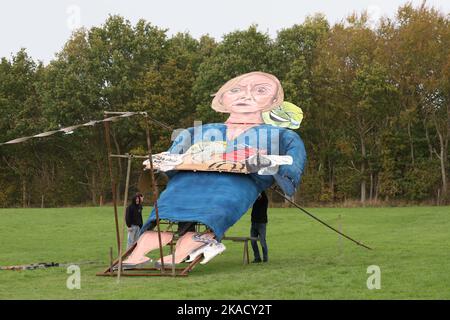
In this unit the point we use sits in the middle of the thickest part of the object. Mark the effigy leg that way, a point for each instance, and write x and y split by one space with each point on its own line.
147 242
185 245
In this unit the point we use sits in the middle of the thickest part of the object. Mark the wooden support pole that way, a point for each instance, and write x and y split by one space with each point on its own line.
128 155
322 222
340 236
111 260
172 248
155 194
125 200
113 184
116 262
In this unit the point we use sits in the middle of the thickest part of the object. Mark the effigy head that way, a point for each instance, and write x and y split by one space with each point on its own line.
251 92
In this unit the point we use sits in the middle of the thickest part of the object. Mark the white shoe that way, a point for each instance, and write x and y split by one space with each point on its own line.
211 251
194 254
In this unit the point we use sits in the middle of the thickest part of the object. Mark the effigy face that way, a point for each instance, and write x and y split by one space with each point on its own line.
254 92
252 100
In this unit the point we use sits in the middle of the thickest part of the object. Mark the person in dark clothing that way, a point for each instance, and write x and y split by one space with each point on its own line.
133 218
185 226
258 229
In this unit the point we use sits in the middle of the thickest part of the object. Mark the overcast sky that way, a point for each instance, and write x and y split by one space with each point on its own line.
42 27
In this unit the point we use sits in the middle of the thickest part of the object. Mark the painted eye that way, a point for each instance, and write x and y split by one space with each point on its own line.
261 90
235 90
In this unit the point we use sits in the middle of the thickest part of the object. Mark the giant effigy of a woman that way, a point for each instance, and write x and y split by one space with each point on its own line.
265 152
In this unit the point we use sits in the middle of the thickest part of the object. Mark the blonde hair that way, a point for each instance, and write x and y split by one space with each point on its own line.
278 97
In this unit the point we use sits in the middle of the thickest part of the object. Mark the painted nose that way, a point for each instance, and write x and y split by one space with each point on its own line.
246 95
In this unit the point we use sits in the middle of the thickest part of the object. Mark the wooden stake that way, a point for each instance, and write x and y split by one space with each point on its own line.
172 248
155 194
111 260
113 184
322 222
340 236
125 200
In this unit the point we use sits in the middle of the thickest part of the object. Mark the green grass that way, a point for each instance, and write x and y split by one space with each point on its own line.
307 261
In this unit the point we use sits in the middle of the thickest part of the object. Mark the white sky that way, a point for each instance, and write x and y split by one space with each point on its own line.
42 27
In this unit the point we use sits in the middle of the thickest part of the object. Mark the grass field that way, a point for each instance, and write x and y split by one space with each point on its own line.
307 261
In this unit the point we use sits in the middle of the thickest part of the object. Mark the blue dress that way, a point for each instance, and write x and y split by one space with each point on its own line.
219 200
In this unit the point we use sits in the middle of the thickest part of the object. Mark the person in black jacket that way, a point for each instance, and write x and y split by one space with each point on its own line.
133 218
258 229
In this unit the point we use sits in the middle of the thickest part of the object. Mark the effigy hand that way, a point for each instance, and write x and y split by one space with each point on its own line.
269 164
257 162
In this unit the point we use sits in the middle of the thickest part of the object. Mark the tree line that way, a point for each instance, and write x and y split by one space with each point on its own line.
376 101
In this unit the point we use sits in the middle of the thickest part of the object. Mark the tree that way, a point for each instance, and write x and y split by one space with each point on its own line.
419 50
360 91
166 92
98 70
21 116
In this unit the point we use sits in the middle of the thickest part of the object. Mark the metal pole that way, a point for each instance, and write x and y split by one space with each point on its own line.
155 194
113 185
